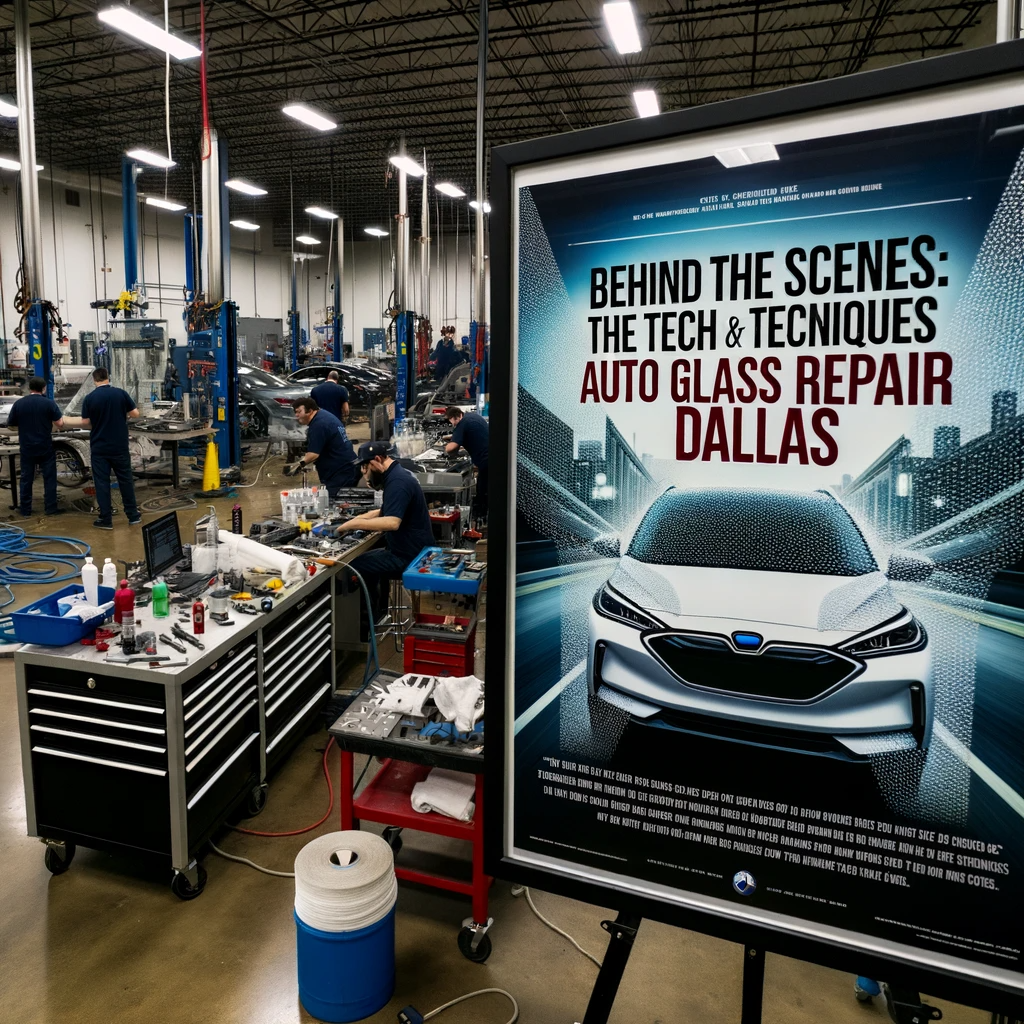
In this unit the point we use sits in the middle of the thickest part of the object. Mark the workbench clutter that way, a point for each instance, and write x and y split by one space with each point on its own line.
345 895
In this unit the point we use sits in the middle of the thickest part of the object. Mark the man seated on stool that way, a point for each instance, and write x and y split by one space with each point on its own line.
472 433
327 446
402 518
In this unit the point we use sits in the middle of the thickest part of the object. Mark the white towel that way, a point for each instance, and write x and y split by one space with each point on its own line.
461 700
448 793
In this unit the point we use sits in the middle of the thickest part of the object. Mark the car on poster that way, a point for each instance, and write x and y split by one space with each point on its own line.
762 616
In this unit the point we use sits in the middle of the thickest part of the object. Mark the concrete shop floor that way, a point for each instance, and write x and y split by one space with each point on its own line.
108 943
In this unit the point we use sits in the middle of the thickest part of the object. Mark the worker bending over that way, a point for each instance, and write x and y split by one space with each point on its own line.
402 518
34 416
332 396
472 433
327 446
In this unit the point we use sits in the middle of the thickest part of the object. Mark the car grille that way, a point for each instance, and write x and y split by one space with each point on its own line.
776 672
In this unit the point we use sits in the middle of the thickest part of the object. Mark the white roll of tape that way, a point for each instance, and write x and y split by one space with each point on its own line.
344 881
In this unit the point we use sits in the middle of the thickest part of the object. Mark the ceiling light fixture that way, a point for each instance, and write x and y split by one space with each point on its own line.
8 108
309 116
307 239
164 204
446 188
319 211
147 156
475 205
407 164
621 23
743 155
646 103
10 164
376 232
148 32
245 225
237 185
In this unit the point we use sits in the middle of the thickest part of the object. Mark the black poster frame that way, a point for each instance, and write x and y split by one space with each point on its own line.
1005 61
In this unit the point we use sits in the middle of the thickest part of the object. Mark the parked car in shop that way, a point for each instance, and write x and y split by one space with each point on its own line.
761 616
265 405
365 389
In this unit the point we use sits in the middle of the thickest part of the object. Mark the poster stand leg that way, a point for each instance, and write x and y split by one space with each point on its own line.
622 931
753 985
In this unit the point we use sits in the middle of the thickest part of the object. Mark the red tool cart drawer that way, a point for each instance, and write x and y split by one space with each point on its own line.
435 654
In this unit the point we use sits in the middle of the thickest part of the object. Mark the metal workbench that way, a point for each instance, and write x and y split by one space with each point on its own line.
151 760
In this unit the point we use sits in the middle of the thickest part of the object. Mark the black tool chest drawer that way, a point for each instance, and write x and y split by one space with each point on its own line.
99 753
297 653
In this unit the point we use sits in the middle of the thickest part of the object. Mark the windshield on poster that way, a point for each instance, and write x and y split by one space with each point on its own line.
769 608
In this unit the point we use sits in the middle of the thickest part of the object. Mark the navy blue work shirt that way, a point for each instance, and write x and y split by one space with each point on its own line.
403 498
106 409
336 461
34 416
473 434
330 396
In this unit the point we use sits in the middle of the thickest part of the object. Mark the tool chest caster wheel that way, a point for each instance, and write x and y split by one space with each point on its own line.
255 801
184 889
58 856
482 951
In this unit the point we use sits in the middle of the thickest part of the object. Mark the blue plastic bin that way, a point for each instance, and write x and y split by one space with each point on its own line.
346 976
40 622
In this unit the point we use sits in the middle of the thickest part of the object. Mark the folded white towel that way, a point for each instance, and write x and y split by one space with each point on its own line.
461 700
448 793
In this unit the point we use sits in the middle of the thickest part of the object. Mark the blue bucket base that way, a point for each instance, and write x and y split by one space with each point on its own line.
346 976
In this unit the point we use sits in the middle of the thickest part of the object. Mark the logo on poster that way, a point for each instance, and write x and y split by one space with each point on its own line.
744 883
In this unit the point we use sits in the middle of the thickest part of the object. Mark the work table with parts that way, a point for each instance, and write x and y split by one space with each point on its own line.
152 760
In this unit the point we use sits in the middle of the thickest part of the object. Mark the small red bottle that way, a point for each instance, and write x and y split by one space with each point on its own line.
198 617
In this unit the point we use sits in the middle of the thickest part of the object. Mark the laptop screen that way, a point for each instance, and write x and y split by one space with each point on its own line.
161 540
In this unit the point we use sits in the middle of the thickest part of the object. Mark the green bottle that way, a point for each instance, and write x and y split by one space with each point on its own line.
161 601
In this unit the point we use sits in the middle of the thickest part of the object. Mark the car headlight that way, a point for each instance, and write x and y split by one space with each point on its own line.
612 605
897 636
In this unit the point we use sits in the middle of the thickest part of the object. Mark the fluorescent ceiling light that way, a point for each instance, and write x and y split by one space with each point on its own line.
446 188
10 164
237 185
475 205
163 204
149 32
309 116
307 239
407 164
376 232
245 225
8 108
622 26
646 101
146 156
741 156
319 211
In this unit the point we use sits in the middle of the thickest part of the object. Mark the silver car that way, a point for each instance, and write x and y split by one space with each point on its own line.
762 616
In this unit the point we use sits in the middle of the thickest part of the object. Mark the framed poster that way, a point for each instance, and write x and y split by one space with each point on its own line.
760 557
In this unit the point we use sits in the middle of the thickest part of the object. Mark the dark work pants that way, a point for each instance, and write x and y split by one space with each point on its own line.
121 465
480 499
48 466
377 568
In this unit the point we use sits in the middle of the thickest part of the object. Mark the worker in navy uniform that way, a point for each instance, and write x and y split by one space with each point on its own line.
106 411
327 447
472 433
332 396
403 519
34 415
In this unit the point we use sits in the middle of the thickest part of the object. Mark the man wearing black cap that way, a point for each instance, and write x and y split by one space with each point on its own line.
327 445
402 518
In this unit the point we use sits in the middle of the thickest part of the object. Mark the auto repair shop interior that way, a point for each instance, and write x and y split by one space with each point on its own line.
231 208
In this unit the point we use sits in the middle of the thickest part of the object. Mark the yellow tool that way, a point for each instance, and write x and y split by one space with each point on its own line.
274 584
242 596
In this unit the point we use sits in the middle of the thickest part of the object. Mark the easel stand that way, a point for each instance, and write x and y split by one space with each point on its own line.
903 1006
